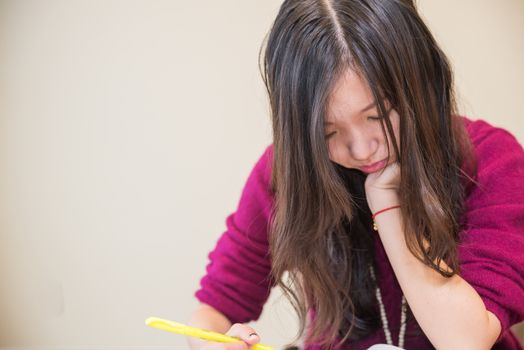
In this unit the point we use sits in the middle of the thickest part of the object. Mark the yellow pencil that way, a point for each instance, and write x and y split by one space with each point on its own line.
179 328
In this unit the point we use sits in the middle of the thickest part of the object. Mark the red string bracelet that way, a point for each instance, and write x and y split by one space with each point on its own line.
375 227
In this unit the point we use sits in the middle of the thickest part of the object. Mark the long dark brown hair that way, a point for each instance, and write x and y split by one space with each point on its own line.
320 241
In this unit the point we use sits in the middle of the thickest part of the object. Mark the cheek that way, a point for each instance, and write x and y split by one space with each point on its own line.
336 153
333 150
395 123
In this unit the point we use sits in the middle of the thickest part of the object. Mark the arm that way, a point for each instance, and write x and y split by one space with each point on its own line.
238 279
450 312
238 276
473 309
208 318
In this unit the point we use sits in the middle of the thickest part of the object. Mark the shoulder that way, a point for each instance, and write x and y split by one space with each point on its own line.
491 243
267 158
489 137
498 191
263 167
496 151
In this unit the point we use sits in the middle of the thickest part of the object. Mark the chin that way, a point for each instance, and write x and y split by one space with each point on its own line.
349 168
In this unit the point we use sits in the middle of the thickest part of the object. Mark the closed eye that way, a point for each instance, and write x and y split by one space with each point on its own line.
379 118
330 134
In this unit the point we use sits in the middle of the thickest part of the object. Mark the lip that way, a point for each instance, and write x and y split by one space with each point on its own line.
374 167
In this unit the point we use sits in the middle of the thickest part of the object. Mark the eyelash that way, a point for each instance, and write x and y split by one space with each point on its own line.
369 118
329 135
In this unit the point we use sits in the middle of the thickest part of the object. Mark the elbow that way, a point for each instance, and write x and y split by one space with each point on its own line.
466 343
475 339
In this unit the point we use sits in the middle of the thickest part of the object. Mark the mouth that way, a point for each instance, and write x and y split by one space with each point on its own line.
374 167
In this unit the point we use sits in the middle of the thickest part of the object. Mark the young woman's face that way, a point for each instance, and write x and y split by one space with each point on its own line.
352 126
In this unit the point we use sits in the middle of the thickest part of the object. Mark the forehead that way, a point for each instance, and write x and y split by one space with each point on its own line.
350 96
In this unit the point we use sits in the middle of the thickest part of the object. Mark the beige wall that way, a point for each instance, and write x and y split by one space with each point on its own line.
127 130
483 38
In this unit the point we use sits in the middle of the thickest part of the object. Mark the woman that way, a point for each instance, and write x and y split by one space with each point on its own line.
384 215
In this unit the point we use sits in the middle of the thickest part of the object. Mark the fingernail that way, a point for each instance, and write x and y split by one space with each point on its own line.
252 335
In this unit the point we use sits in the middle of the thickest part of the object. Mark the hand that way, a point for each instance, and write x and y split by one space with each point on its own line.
382 187
248 337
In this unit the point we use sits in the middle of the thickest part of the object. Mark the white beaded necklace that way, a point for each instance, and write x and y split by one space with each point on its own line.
402 331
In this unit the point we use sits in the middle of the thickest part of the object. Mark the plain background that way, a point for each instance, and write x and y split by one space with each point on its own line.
127 131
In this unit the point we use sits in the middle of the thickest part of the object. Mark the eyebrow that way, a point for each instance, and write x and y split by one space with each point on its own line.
373 104
365 109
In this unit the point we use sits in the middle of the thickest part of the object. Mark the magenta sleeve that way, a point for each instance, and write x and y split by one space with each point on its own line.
491 252
238 281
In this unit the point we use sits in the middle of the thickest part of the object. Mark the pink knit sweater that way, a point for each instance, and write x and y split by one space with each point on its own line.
491 253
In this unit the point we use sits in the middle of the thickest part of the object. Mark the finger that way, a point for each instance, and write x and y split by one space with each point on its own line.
246 333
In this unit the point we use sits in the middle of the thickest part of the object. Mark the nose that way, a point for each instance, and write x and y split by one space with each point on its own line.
362 147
